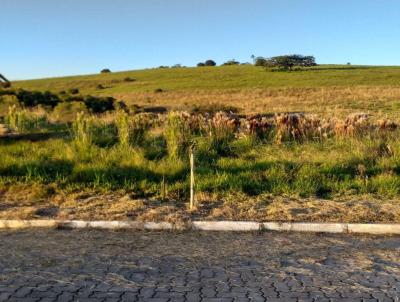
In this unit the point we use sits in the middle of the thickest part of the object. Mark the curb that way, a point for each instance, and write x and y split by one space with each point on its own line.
236 226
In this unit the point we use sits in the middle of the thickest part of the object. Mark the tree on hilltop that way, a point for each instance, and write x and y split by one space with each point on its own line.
210 63
286 61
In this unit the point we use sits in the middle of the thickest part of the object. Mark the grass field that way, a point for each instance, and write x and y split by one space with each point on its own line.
292 167
323 90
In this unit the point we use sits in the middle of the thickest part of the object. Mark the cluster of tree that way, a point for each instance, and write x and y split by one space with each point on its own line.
231 62
286 61
173 66
206 63
48 99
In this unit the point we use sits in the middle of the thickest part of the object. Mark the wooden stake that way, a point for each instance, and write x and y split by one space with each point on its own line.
163 187
192 200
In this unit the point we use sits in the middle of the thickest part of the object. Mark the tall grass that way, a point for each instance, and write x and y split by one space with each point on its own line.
177 134
25 121
124 128
131 129
82 130
281 155
222 129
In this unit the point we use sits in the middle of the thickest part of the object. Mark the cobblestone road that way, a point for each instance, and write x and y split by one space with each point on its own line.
93 265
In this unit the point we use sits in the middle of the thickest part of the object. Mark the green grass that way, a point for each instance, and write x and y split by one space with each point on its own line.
328 168
223 77
323 90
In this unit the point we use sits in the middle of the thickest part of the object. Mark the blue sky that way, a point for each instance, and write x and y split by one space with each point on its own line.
42 38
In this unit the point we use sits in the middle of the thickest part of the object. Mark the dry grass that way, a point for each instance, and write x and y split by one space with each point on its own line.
322 90
25 202
324 101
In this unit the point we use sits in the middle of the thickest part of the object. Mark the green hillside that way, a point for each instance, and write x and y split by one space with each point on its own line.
223 77
324 90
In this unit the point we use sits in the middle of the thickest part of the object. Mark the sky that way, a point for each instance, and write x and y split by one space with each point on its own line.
46 38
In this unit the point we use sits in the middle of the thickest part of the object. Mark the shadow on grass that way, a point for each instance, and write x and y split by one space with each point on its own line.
45 170
34 137
286 177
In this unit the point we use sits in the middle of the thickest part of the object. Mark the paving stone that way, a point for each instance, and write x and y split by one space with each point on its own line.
128 296
65 297
153 299
193 297
217 300
169 295
4 296
105 266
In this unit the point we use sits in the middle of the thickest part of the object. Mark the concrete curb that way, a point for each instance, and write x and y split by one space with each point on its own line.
239 226
306 227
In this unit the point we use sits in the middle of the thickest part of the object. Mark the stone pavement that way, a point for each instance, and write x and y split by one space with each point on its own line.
98 265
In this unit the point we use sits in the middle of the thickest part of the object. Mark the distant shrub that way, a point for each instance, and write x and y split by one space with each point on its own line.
99 104
206 63
62 92
73 91
210 63
260 61
163 67
128 79
105 70
158 90
231 62
99 87
35 98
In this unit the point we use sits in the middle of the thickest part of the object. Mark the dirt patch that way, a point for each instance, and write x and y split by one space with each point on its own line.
30 202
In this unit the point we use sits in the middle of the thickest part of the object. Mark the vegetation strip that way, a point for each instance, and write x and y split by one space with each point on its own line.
240 226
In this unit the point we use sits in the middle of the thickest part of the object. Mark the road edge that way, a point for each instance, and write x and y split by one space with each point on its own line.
239 226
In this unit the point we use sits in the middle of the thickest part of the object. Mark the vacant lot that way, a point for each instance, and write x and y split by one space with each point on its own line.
132 163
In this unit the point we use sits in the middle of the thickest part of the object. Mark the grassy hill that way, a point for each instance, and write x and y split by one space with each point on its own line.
322 90
135 166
